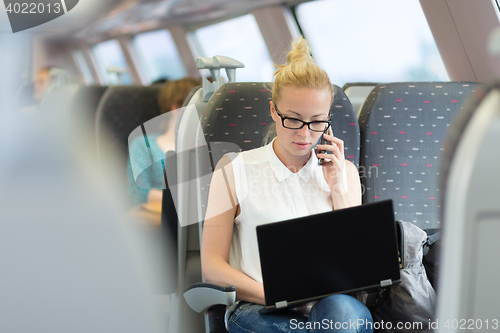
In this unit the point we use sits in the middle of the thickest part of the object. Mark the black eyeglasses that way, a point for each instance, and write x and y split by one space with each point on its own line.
294 123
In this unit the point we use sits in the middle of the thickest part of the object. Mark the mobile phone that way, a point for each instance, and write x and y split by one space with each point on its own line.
323 141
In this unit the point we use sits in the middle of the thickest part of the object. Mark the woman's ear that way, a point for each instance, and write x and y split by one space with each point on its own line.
272 110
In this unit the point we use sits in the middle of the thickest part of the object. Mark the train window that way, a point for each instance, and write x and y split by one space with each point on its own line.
366 40
83 67
111 63
238 38
158 55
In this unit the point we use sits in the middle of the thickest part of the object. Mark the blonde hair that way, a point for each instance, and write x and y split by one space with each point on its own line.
300 71
175 92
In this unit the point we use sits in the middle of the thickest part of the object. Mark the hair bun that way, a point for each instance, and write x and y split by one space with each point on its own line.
300 71
300 51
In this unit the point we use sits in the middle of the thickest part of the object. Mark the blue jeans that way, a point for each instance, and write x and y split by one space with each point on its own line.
336 313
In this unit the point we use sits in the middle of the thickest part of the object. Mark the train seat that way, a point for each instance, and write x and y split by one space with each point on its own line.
153 123
357 93
121 110
176 206
402 127
189 271
469 184
235 119
188 131
83 105
183 197
86 100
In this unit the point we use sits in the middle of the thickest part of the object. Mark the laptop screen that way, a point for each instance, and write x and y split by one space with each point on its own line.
351 249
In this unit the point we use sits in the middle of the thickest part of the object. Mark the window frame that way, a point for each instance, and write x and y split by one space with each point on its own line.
104 78
139 58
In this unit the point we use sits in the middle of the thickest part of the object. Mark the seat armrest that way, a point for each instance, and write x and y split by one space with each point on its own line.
201 296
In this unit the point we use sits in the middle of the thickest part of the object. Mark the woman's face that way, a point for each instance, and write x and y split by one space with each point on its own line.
305 104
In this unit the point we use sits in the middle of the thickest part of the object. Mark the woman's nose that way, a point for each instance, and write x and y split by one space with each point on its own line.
304 131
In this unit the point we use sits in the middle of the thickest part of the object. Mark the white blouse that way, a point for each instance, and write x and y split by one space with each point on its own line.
268 191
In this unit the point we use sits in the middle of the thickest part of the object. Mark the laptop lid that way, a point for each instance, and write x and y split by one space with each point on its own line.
342 251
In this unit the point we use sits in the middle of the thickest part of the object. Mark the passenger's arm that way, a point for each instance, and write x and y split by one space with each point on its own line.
217 235
340 198
353 184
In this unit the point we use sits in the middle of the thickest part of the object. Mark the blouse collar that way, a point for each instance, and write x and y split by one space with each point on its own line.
282 172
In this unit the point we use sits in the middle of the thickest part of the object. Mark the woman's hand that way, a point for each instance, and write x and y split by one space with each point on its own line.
333 164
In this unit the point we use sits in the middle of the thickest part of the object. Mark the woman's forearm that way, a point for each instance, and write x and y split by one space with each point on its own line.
341 200
247 289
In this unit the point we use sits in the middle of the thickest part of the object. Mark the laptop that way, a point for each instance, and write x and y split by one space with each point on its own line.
343 251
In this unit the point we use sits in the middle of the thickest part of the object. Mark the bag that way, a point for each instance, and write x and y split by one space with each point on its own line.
431 261
410 305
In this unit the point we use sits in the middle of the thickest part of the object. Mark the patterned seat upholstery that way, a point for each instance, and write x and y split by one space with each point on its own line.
402 126
345 124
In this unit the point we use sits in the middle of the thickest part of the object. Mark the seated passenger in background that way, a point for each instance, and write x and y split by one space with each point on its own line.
171 98
30 96
261 181
42 83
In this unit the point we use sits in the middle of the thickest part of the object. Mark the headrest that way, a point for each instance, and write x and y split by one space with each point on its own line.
124 108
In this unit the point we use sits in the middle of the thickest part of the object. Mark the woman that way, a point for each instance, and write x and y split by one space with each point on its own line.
170 99
280 181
